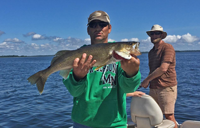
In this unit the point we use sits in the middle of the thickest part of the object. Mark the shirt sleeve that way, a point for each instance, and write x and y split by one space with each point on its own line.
75 88
128 84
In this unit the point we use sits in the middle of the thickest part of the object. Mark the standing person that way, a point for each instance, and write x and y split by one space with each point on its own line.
100 96
162 76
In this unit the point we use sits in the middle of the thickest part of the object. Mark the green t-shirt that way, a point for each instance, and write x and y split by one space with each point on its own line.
100 98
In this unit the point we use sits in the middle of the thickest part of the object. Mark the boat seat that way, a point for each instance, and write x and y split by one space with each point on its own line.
190 124
146 113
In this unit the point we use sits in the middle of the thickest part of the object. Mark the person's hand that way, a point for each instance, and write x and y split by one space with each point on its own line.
145 83
131 66
136 93
82 66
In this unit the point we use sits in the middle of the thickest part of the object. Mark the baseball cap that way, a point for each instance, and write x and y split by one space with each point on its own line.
99 15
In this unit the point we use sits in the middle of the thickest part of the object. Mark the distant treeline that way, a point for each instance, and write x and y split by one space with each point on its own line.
13 56
53 55
180 51
187 50
24 55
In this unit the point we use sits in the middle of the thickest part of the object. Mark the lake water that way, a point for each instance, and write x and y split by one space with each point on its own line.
22 106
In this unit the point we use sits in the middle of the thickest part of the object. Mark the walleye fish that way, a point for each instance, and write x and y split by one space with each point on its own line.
103 53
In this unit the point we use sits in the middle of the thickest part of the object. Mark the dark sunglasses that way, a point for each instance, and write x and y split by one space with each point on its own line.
101 24
156 33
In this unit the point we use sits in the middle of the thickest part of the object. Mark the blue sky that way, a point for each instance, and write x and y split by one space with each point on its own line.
43 27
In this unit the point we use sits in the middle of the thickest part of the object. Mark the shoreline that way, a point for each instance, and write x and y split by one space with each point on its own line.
53 55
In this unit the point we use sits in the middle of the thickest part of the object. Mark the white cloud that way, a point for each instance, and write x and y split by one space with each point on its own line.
172 38
52 44
179 42
134 39
11 46
189 38
111 40
146 40
87 39
57 39
14 40
123 40
35 46
4 45
37 37
46 46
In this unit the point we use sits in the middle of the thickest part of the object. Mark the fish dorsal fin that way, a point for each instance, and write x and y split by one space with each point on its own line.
58 54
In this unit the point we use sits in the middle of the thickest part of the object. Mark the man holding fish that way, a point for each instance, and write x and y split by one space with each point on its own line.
98 76
100 92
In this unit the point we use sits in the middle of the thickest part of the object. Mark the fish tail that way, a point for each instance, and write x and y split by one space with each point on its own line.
39 79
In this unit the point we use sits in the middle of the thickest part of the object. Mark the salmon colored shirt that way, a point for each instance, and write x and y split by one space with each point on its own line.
164 53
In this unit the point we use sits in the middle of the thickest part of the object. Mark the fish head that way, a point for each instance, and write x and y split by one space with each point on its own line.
135 49
125 50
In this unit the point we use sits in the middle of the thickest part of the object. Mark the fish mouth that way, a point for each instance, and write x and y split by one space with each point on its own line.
127 52
121 55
